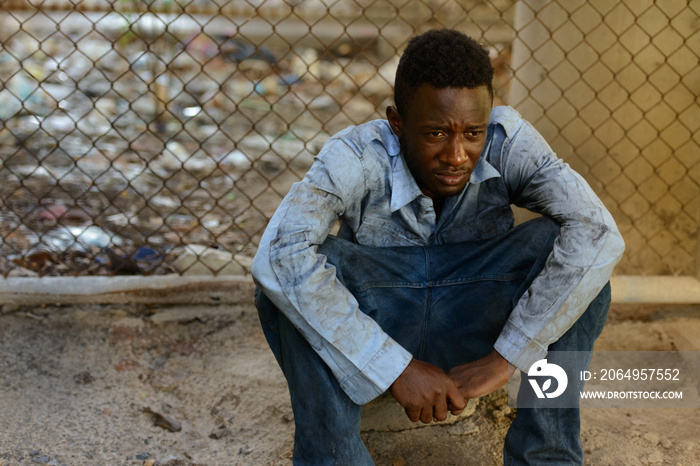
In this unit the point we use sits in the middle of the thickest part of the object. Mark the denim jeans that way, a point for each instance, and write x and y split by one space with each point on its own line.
445 304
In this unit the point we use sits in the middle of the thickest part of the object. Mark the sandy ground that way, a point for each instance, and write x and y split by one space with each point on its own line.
80 386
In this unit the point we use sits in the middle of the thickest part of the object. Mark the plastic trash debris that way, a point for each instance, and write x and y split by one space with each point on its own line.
181 222
238 50
83 378
58 212
36 261
322 102
53 213
173 156
69 249
79 111
190 112
81 238
120 219
57 92
10 105
163 421
196 259
236 159
164 201
143 261
57 124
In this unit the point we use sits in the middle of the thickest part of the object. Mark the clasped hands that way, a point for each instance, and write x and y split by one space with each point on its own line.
427 393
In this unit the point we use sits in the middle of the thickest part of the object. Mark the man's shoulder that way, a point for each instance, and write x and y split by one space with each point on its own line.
508 118
359 154
357 138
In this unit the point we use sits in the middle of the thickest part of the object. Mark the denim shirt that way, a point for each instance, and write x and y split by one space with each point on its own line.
361 180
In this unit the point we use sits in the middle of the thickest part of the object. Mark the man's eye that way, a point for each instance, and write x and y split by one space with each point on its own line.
435 134
473 134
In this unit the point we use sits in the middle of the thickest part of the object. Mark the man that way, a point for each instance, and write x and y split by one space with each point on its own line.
430 292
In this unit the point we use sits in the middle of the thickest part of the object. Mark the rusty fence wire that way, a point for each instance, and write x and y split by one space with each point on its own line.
150 137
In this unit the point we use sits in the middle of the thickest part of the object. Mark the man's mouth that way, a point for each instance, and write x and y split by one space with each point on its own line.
450 178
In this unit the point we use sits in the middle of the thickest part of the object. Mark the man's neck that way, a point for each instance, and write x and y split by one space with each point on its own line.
438 204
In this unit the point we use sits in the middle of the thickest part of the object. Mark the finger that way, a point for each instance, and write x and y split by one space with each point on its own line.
454 410
440 409
426 416
456 400
413 414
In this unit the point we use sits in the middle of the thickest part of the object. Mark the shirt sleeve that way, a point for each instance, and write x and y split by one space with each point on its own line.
304 286
582 260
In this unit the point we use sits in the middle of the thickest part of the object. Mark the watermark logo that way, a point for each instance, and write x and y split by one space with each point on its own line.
609 379
542 369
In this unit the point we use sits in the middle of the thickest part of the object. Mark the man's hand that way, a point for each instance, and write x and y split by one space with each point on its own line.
426 393
483 376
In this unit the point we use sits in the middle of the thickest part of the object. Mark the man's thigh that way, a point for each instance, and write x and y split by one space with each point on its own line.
445 304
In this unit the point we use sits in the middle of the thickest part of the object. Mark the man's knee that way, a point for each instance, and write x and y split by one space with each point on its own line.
542 227
599 308
267 311
583 334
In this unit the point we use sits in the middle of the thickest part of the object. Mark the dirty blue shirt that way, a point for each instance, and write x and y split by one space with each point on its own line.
361 180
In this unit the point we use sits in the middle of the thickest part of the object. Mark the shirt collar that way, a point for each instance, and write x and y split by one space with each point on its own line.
404 188
484 170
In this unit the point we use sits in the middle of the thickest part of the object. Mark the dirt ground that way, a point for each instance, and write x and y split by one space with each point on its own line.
140 385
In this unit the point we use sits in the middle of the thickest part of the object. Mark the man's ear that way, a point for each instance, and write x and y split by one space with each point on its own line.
395 121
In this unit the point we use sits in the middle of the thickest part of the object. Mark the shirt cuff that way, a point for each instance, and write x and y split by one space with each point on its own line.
378 375
519 349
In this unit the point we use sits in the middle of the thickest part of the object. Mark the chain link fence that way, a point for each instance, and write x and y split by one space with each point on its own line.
150 137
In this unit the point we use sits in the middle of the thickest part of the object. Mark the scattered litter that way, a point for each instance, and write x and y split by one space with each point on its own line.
236 159
34 316
95 165
143 261
83 378
60 212
245 450
463 427
172 460
221 432
173 156
190 112
163 421
197 259
126 365
45 460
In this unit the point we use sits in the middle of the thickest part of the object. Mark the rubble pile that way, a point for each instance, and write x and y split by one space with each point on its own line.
118 151
148 143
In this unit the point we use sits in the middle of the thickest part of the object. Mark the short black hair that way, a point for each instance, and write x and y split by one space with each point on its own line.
442 58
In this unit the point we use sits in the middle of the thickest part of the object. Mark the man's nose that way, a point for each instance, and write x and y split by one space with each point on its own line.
456 153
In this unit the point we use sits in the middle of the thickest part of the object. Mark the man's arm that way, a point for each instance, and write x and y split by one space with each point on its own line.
483 376
304 287
580 264
583 256
299 281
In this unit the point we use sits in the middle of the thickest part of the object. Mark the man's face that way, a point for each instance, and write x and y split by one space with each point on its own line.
442 136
